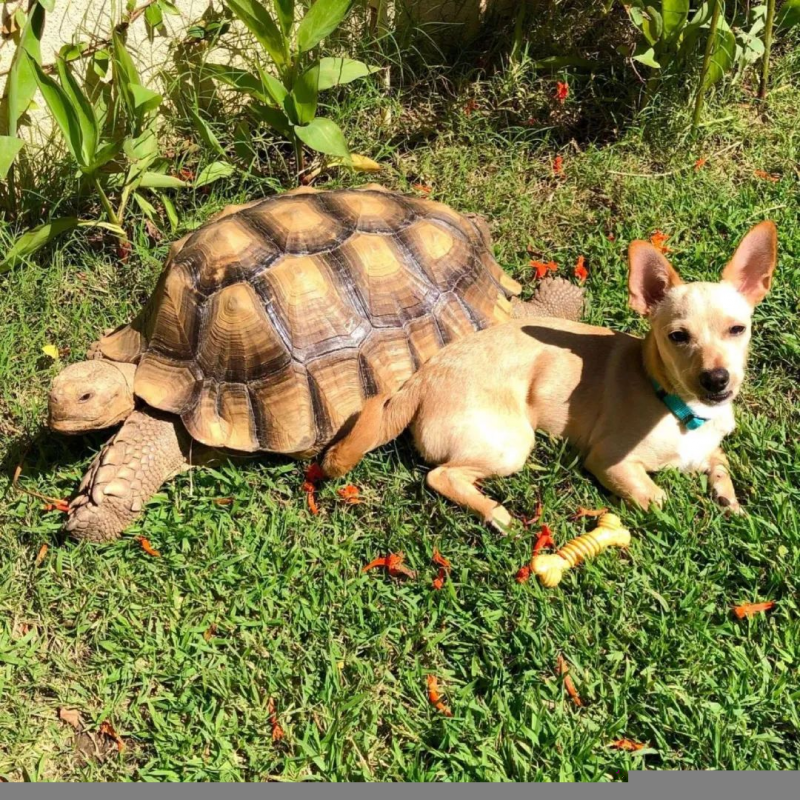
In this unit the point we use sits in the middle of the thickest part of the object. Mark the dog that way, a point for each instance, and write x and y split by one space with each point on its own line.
631 406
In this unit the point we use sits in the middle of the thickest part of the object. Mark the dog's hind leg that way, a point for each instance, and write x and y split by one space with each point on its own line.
457 483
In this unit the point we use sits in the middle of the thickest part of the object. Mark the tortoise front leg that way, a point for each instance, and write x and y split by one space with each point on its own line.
148 450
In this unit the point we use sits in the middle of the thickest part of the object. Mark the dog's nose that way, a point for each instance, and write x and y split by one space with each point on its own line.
714 380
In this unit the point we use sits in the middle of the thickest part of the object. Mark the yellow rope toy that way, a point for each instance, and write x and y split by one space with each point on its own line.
608 533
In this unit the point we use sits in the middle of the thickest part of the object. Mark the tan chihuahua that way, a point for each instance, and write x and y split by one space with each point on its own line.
631 406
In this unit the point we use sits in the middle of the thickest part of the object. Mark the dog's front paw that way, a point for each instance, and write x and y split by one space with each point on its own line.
728 503
501 521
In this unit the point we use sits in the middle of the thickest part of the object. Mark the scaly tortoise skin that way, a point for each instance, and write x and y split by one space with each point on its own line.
272 323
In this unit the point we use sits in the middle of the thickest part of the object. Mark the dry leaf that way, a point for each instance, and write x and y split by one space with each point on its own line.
71 717
588 512
210 631
107 729
563 670
147 547
51 351
435 698
277 731
40 556
628 745
766 176
349 495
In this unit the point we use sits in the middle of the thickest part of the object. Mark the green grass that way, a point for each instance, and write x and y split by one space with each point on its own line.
655 651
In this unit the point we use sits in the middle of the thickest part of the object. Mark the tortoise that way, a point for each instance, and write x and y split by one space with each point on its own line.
269 327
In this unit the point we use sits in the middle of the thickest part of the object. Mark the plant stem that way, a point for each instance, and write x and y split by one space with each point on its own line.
712 33
300 158
112 216
762 88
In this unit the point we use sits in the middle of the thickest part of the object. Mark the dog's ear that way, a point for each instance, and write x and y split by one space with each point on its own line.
650 277
750 270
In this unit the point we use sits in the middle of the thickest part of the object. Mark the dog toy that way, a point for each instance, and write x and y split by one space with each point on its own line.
608 533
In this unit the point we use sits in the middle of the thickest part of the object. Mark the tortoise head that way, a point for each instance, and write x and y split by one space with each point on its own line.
91 395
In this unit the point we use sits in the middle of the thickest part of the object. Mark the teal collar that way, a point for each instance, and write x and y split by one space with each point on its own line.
679 409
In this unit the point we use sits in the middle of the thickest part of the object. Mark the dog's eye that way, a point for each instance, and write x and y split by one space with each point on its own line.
679 337
736 330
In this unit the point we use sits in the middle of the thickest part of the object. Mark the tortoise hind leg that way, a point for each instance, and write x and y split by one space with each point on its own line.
148 450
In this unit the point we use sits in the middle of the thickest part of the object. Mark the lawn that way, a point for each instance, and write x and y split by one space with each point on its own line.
255 598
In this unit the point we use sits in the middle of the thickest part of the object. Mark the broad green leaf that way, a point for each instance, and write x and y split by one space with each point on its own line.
105 154
154 16
285 9
274 117
788 14
652 25
145 205
35 239
83 110
169 8
324 136
125 74
320 20
9 147
702 15
262 26
646 56
213 172
100 62
238 79
48 5
358 163
61 108
156 180
21 79
276 90
171 212
71 52
301 105
338 71
674 14
142 147
144 99
206 134
722 56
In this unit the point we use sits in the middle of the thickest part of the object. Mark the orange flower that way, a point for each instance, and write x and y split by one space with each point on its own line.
277 731
628 745
393 563
562 91
147 547
588 512
435 698
537 515
523 573
698 165
658 239
438 581
421 187
471 106
563 670
107 729
349 495
542 269
558 165
444 568
766 176
313 476
57 505
545 540
581 273
40 556
751 609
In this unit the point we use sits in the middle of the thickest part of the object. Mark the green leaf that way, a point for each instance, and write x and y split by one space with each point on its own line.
144 99
9 147
276 90
71 52
125 74
321 19
262 26
169 8
722 57
145 205
559 62
156 180
324 136
788 14
105 154
301 105
83 110
21 79
213 172
61 108
100 62
646 55
338 71
274 117
652 25
153 15
675 14
48 5
34 239
238 79
285 9
206 134
142 147
169 208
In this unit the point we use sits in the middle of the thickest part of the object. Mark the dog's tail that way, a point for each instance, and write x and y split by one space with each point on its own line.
383 418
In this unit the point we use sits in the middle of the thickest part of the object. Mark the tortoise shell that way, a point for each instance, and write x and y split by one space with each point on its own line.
272 324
